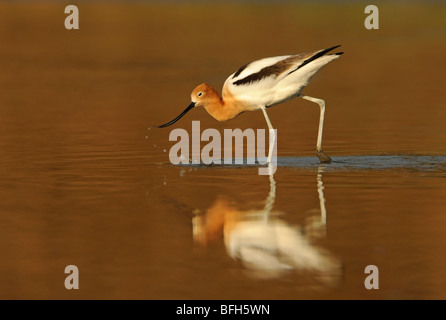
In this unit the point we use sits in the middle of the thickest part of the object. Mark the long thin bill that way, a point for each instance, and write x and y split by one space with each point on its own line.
189 107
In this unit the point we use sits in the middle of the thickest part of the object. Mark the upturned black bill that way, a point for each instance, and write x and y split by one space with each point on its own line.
189 107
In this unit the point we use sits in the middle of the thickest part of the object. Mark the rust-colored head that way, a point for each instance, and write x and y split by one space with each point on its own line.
204 95
201 96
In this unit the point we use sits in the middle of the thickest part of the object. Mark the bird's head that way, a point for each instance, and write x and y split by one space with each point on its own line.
202 95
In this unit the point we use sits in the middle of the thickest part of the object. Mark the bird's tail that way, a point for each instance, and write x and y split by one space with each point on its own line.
320 54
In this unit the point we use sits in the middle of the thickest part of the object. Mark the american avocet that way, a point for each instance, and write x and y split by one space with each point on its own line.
262 84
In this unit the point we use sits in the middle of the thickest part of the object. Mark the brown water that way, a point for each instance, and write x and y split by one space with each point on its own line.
83 182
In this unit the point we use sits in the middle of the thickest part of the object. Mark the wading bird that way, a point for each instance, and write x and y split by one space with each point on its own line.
262 84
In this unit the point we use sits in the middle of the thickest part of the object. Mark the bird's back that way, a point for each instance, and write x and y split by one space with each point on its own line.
272 80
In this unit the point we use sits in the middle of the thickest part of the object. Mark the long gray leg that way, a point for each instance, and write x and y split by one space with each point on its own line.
272 135
323 157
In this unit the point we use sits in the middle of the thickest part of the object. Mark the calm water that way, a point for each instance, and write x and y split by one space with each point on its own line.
83 182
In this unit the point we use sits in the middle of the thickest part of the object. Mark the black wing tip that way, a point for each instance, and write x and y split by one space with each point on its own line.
334 47
317 55
324 51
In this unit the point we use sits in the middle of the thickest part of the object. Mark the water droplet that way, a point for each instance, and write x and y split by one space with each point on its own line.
164 150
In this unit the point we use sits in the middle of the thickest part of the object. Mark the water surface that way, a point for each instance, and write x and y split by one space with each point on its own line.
83 182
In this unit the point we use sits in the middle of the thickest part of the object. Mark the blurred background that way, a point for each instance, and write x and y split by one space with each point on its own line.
83 182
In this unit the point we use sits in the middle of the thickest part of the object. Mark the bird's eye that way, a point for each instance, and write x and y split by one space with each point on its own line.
199 94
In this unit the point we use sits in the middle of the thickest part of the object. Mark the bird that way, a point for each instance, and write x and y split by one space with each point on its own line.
261 84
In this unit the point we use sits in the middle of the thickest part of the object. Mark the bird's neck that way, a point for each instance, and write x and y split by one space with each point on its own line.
222 109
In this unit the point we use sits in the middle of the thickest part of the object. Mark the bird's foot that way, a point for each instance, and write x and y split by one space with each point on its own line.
323 157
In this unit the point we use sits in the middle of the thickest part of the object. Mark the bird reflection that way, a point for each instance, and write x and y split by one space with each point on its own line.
266 245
